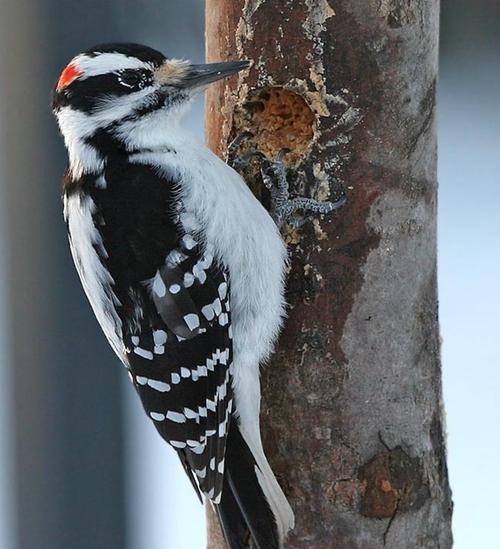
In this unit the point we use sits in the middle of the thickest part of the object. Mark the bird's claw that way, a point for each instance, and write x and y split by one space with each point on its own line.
283 207
274 178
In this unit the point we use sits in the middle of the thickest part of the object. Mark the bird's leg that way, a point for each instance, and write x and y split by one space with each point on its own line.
274 177
282 206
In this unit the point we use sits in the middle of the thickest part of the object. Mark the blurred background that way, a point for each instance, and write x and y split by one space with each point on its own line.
81 466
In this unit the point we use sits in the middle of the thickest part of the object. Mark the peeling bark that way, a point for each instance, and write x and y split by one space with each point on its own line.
352 415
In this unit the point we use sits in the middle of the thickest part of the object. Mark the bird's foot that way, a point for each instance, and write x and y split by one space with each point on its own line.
283 207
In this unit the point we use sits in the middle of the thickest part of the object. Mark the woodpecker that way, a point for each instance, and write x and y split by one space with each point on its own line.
183 267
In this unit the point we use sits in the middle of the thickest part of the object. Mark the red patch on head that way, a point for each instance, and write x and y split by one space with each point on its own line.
67 76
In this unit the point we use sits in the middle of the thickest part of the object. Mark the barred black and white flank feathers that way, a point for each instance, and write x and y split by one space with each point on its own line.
183 268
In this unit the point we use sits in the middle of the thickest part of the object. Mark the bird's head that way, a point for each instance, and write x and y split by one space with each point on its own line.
123 96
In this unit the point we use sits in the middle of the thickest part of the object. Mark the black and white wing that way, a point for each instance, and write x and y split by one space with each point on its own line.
172 299
180 354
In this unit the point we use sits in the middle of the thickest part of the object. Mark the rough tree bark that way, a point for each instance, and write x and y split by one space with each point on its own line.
352 414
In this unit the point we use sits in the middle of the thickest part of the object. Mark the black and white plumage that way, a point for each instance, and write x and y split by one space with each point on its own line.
183 268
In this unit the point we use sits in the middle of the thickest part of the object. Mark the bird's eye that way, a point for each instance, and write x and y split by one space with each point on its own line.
134 79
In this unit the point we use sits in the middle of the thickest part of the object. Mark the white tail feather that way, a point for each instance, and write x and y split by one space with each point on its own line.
278 503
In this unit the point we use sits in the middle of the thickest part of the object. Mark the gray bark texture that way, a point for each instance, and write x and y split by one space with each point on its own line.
352 414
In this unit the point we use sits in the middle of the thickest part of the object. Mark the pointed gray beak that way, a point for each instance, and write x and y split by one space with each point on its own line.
201 75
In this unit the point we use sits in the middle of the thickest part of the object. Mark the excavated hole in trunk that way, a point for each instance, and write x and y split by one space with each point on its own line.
278 118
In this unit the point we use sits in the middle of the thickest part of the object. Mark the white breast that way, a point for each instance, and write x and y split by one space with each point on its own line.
85 240
248 243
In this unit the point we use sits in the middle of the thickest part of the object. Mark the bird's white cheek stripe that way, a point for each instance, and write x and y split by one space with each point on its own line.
105 63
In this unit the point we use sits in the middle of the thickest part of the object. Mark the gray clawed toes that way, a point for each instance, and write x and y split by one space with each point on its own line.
274 178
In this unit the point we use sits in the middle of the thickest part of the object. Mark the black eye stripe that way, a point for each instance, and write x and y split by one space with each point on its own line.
135 78
87 94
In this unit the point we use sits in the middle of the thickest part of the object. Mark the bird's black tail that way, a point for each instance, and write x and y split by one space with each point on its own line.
252 505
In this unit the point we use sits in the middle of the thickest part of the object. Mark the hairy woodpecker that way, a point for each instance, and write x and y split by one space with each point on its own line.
183 268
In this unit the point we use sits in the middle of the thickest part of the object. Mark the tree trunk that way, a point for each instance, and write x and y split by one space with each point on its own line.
352 415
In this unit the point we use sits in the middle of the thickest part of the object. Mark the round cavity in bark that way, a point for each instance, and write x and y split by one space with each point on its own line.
278 118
